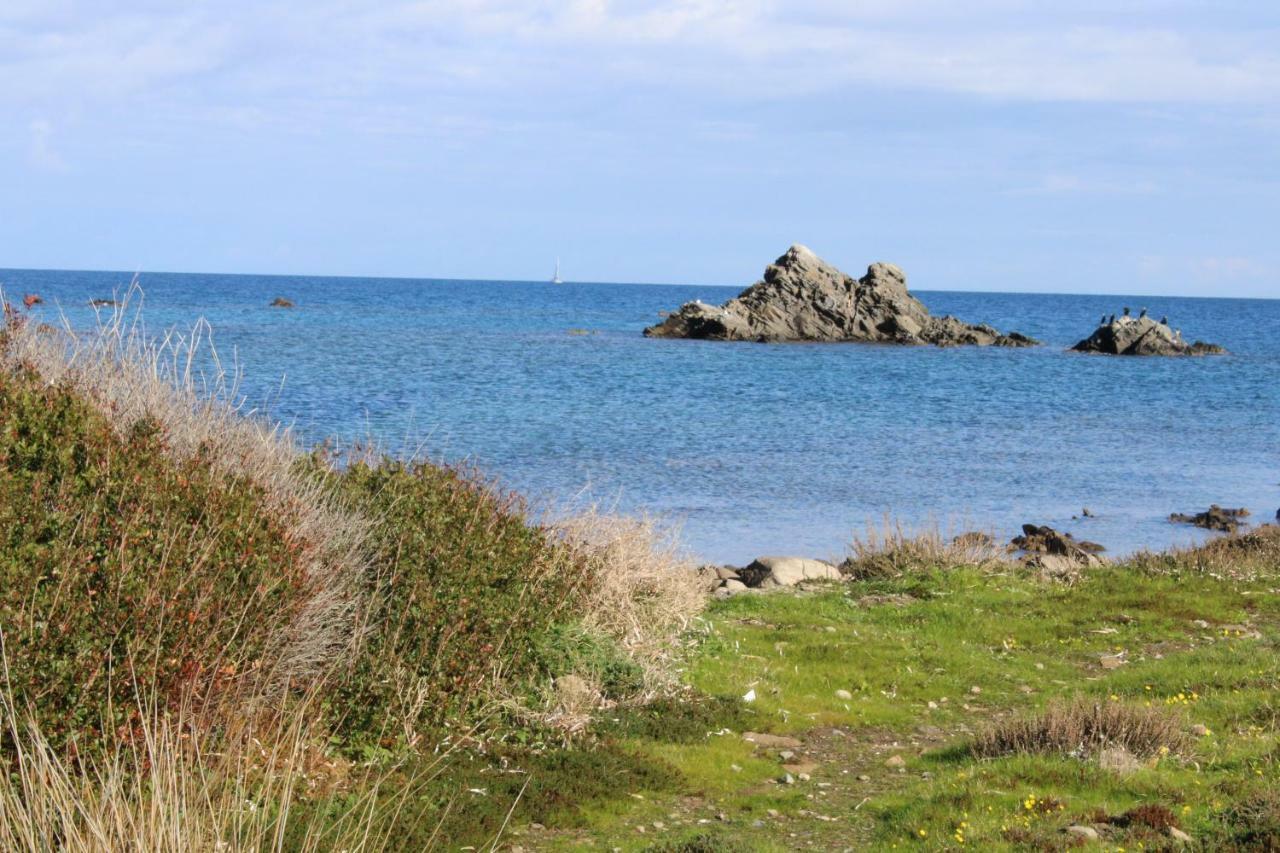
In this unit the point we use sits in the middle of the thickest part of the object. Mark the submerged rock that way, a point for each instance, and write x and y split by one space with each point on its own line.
1141 335
803 298
1214 518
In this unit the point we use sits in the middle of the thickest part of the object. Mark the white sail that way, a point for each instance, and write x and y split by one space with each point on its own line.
555 279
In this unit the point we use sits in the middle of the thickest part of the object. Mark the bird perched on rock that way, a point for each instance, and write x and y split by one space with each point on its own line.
1142 313
1126 310
1103 320
1113 319
1164 321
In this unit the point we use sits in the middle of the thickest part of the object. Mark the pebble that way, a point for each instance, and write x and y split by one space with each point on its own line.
1080 831
895 761
787 779
844 694
864 778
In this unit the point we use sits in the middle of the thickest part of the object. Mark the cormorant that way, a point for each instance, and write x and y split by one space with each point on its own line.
1113 319
1126 310
1164 321
1142 313
1103 321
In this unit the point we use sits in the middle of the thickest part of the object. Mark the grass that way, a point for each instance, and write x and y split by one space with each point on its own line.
1198 677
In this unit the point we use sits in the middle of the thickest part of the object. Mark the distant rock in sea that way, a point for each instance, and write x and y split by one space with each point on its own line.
281 302
1141 335
803 298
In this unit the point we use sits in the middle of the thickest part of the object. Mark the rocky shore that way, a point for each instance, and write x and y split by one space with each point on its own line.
803 298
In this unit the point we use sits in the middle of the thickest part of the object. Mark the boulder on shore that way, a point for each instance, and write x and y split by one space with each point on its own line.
1141 335
767 572
803 298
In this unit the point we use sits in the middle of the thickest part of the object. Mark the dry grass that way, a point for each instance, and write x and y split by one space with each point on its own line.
179 382
169 792
1241 557
890 550
1084 727
644 592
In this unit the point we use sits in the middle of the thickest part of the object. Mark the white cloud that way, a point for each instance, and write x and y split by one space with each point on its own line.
1009 49
40 150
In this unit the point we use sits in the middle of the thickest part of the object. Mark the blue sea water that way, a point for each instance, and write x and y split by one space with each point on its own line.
752 448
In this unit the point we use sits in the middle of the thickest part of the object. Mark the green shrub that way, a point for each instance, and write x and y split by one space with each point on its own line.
127 578
467 593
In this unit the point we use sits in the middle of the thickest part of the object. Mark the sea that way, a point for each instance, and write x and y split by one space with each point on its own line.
749 449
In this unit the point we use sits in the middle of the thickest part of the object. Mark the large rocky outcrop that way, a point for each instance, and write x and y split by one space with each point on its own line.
1141 336
803 298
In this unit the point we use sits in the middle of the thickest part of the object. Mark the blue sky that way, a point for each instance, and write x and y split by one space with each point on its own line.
1128 147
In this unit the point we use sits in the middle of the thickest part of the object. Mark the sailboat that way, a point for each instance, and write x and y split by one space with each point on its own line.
555 278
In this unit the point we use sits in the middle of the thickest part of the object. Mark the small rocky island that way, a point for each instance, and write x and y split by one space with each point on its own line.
1141 335
803 298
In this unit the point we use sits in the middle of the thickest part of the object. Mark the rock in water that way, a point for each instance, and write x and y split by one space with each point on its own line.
803 298
1214 518
1142 336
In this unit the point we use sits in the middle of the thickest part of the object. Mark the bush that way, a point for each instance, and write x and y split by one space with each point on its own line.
1082 728
127 578
466 594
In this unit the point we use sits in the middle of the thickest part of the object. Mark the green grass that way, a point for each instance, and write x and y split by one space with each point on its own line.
1022 642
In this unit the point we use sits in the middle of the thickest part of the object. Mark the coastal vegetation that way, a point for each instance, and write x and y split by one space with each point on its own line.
215 639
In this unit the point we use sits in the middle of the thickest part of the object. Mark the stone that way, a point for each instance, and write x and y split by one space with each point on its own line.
1088 833
895 762
1111 661
1179 836
844 695
771 741
1118 760
863 777
803 298
786 755
1141 336
734 586
766 572
281 302
726 573
1045 540
1214 518
974 539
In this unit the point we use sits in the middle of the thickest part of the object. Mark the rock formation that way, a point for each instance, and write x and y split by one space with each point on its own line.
803 298
1214 518
1141 336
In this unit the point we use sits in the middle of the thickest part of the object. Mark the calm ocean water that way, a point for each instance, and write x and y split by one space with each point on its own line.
753 448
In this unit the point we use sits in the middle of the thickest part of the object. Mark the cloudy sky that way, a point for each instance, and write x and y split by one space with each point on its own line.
1128 146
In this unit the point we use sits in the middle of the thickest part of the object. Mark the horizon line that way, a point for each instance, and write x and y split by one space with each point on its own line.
140 272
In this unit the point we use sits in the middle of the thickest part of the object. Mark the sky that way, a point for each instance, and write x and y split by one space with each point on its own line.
1114 146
